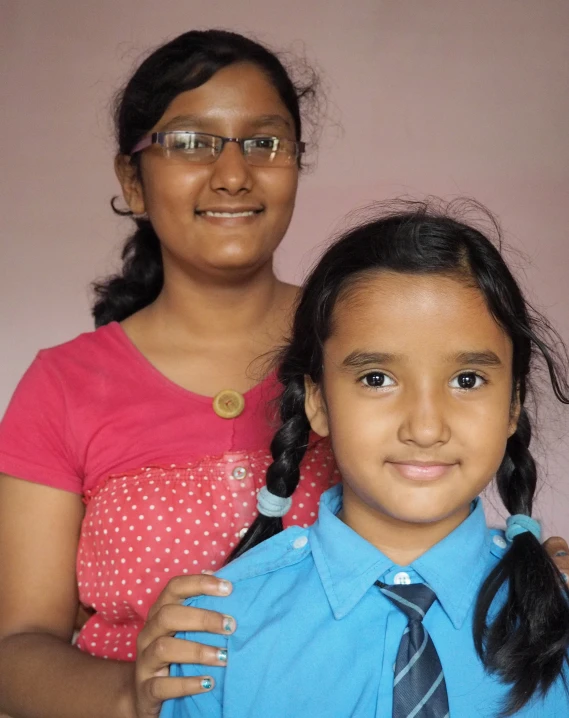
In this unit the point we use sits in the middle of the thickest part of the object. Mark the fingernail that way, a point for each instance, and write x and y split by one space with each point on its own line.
222 655
224 587
228 624
562 553
206 683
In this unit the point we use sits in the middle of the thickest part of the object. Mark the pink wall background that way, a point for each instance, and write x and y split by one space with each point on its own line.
441 97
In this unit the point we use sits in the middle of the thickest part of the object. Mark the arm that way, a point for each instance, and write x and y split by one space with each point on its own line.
41 674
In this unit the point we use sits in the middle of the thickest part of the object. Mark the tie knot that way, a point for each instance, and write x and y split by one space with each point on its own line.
413 599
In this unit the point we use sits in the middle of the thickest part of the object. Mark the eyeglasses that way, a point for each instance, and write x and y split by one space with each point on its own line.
202 148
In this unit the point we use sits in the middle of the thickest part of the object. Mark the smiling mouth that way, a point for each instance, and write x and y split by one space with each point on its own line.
417 471
228 215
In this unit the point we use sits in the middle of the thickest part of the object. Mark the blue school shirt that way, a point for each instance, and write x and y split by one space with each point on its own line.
315 636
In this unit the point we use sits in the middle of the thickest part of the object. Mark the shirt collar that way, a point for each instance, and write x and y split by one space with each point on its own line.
348 565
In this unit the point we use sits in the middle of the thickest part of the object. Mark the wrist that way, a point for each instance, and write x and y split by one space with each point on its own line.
126 702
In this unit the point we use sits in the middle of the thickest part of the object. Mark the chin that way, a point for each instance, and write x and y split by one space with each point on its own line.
428 511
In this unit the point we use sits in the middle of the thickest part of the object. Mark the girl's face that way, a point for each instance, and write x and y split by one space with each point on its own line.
179 197
416 397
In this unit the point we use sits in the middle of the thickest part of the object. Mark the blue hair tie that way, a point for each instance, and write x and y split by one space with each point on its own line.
271 505
519 524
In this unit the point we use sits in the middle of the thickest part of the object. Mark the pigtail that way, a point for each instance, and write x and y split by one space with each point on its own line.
287 448
525 642
138 283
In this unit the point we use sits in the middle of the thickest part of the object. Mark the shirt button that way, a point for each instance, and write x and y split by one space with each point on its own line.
239 473
228 403
500 541
243 532
401 579
300 542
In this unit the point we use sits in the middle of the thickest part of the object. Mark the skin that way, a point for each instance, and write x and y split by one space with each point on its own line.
406 434
221 308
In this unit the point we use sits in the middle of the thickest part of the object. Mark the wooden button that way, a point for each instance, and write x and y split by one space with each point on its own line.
228 403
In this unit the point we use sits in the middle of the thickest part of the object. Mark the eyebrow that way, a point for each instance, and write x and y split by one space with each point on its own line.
265 120
485 358
358 359
183 122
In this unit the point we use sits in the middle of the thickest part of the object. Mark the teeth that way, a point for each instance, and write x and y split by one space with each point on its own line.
230 214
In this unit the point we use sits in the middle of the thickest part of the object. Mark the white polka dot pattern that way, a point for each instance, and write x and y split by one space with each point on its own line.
143 528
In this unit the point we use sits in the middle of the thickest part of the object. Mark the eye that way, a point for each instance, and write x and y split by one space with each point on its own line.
189 141
467 380
377 380
266 144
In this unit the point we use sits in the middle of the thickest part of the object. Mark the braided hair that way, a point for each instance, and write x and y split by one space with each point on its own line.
525 643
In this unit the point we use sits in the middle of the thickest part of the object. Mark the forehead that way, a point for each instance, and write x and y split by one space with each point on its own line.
416 315
241 93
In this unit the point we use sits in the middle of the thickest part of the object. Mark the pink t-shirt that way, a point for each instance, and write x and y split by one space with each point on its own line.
169 485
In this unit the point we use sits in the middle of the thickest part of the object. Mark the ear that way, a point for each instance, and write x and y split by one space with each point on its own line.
315 407
515 411
127 175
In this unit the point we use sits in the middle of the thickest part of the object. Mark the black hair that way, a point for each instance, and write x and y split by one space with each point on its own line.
184 63
526 642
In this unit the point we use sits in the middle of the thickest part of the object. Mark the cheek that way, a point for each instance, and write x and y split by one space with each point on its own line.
280 186
171 188
361 429
484 437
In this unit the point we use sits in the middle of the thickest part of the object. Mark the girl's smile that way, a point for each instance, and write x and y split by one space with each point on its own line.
421 470
417 398
229 216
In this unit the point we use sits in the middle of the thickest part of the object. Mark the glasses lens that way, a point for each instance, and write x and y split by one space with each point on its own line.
265 151
192 146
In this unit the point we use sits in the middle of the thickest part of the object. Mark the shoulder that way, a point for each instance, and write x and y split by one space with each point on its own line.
498 544
284 552
88 345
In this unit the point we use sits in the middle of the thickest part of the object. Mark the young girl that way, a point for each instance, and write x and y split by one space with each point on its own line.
411 349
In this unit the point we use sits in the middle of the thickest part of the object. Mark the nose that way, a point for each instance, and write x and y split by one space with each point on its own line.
425 420
230 172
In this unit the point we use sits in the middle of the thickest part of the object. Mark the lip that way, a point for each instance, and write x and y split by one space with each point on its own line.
229 217
421 470
220 209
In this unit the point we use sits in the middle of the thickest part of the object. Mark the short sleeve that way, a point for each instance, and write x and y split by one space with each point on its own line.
35 443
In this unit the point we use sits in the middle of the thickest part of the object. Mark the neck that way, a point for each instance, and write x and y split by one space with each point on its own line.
214 309
401 541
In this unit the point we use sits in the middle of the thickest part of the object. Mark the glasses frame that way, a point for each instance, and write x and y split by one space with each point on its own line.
159 138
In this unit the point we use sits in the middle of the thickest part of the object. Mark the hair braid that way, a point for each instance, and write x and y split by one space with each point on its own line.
137 284
525 643
287 448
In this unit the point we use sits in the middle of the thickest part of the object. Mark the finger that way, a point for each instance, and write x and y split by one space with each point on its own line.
558 550
155 691
173 618
180 588
158 656
556 547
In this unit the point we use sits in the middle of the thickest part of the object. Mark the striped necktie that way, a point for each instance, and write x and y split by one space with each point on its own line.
419 689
